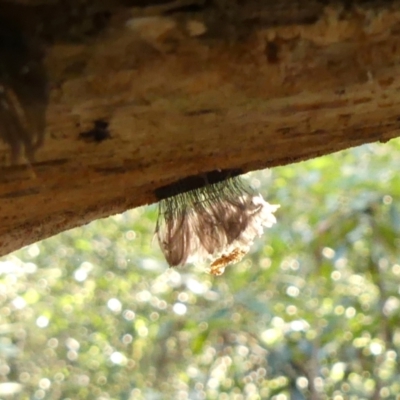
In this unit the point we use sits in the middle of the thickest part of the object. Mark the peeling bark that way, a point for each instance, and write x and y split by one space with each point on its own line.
171 89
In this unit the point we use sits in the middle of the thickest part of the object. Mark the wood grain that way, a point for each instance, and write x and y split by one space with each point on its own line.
189 87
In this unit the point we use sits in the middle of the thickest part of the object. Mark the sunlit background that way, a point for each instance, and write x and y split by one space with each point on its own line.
313 312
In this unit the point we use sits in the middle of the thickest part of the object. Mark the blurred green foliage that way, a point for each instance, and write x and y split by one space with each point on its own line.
312 313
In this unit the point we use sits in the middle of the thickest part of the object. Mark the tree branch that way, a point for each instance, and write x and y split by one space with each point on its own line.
186 87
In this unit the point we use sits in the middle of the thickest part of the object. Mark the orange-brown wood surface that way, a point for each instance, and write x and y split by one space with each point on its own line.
192 86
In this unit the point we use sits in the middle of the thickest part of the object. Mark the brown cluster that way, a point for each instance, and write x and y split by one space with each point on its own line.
218 266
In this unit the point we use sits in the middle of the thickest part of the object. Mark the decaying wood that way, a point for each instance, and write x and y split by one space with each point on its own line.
141 95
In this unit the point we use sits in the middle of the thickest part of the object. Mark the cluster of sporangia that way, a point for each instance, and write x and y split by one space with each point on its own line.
216 223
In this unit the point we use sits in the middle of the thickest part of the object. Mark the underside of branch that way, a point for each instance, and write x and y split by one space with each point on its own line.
102 103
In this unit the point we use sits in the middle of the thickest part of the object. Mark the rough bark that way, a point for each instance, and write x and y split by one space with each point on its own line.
186 87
